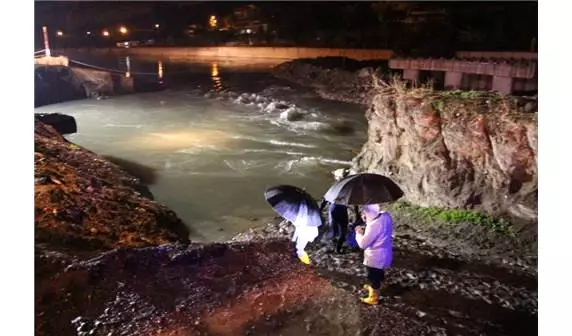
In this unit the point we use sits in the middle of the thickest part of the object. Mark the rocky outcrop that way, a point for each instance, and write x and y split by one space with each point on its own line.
447 149
454 149
333 78
86 203
63 124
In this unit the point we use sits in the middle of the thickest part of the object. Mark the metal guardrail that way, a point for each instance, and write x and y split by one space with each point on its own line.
112 70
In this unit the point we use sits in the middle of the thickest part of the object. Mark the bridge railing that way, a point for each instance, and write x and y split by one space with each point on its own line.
40 53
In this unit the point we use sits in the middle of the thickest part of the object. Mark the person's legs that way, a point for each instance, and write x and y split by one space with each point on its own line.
300 246
305 235
335 228
374 276
343 229
294 239
295 234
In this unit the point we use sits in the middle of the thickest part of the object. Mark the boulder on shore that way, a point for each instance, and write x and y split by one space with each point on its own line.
63 124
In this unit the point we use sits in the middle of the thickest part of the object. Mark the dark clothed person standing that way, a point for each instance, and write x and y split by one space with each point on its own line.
338 221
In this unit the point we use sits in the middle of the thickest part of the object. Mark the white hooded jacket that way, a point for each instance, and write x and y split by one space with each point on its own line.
377 241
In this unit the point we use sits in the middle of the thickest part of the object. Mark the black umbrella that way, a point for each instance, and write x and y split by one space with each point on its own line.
365 188
294 204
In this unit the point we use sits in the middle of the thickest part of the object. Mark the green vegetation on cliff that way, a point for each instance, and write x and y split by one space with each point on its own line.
452 216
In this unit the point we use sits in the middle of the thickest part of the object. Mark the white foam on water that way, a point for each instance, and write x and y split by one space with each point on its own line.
305 165
290 144
124 126
198 149
242 166
246 137
274 142
289 167
254 150
326 160
297 166
301 126
281 113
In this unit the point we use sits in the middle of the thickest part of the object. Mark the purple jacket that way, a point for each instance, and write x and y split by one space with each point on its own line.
377 242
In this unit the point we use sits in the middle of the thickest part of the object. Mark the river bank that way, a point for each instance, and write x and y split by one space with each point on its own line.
109 259
143 277
58 83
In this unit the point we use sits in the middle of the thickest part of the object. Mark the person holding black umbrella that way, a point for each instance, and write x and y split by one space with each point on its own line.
368 190
303 234
338 218
376 240
338 223
299 208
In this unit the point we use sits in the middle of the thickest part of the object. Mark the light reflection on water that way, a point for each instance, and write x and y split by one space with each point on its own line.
217 82
214 156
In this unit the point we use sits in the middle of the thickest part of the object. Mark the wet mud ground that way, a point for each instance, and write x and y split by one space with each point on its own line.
259 288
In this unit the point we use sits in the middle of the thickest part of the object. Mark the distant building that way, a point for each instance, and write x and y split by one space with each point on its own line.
423 16
193 29
246 20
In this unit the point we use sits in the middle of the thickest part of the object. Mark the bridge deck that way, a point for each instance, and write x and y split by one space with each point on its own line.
51 61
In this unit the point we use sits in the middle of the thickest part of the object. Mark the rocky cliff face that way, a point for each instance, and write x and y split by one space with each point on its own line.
446 149
454 149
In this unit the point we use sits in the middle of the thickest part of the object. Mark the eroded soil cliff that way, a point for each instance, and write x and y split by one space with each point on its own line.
454 149
86 203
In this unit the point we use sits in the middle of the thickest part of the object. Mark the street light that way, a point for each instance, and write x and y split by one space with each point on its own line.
105 33
156 25
213 21
59 33
123 30
88 33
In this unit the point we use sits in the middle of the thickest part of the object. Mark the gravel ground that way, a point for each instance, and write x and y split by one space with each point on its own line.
456 291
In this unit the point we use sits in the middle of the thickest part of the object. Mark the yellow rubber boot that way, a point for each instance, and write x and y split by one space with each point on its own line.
373 297
304 258
368 289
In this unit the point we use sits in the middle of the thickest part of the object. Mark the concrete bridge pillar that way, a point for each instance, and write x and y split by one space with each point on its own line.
502 84
411 74
453 80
